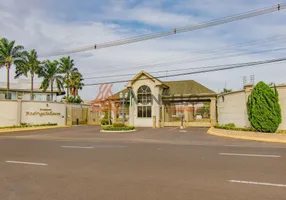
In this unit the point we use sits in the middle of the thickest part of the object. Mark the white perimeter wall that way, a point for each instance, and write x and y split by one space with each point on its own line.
8 112
282 101
44 119
232 108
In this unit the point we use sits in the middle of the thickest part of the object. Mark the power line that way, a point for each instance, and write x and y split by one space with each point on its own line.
264 42
216 22
230 66
122 75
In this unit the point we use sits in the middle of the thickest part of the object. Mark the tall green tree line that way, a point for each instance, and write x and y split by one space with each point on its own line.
61 74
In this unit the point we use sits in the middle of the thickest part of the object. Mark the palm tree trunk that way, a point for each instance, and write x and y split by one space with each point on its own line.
32 87
8 79
68 92
52 90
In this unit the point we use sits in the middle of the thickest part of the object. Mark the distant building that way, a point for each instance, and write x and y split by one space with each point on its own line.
23 88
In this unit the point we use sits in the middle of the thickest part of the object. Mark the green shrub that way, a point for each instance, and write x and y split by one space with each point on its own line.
104 122
73 99
118 124
230 125
264 112
114 128
227 127
281 131
119 120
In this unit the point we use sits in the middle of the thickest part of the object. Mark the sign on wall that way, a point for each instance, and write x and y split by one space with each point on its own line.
43 112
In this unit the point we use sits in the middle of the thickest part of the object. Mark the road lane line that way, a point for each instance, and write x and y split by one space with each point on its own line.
77 147
249 155
258 183
26 163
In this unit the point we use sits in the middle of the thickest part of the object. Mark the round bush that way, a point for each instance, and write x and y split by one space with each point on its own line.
264 112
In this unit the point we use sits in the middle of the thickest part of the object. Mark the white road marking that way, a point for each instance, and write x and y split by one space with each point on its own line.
77 147
247 146
173 128
26 163
258 183
250 155
183 131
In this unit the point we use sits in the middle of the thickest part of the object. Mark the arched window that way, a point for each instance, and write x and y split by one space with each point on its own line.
144 98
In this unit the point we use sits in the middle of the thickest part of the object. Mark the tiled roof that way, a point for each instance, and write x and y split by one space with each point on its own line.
176 88
185 87
116 95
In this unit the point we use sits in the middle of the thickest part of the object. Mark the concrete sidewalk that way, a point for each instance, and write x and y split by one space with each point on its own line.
264 137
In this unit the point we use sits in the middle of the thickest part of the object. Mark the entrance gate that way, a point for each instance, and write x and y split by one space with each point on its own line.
194 113
79 115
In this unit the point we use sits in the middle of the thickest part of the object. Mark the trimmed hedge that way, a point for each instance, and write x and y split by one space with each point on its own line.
28 125
118 124
264 112
115 128
104 122
231 126
119 120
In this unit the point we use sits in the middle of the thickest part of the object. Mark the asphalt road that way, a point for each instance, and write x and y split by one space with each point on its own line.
80 163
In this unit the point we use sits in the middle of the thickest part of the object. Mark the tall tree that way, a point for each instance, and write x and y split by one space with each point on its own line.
9 55
75 83
264 112
67 68
51 74
30 65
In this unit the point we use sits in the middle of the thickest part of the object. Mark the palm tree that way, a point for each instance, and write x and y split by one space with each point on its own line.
9 55
75 83
31 65
51 73
67 68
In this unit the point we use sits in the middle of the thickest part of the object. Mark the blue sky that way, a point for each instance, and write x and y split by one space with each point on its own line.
54 25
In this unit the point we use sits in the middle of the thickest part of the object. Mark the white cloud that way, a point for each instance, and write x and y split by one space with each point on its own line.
148 16
35 27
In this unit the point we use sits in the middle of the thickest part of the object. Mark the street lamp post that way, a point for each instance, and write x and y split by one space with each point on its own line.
123 99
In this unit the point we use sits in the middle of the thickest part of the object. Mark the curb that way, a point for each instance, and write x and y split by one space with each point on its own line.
211 132
126 131
30 129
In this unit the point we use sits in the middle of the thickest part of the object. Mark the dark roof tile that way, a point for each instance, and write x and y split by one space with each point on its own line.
185 87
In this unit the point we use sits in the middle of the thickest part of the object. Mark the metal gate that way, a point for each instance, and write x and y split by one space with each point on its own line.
79 115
